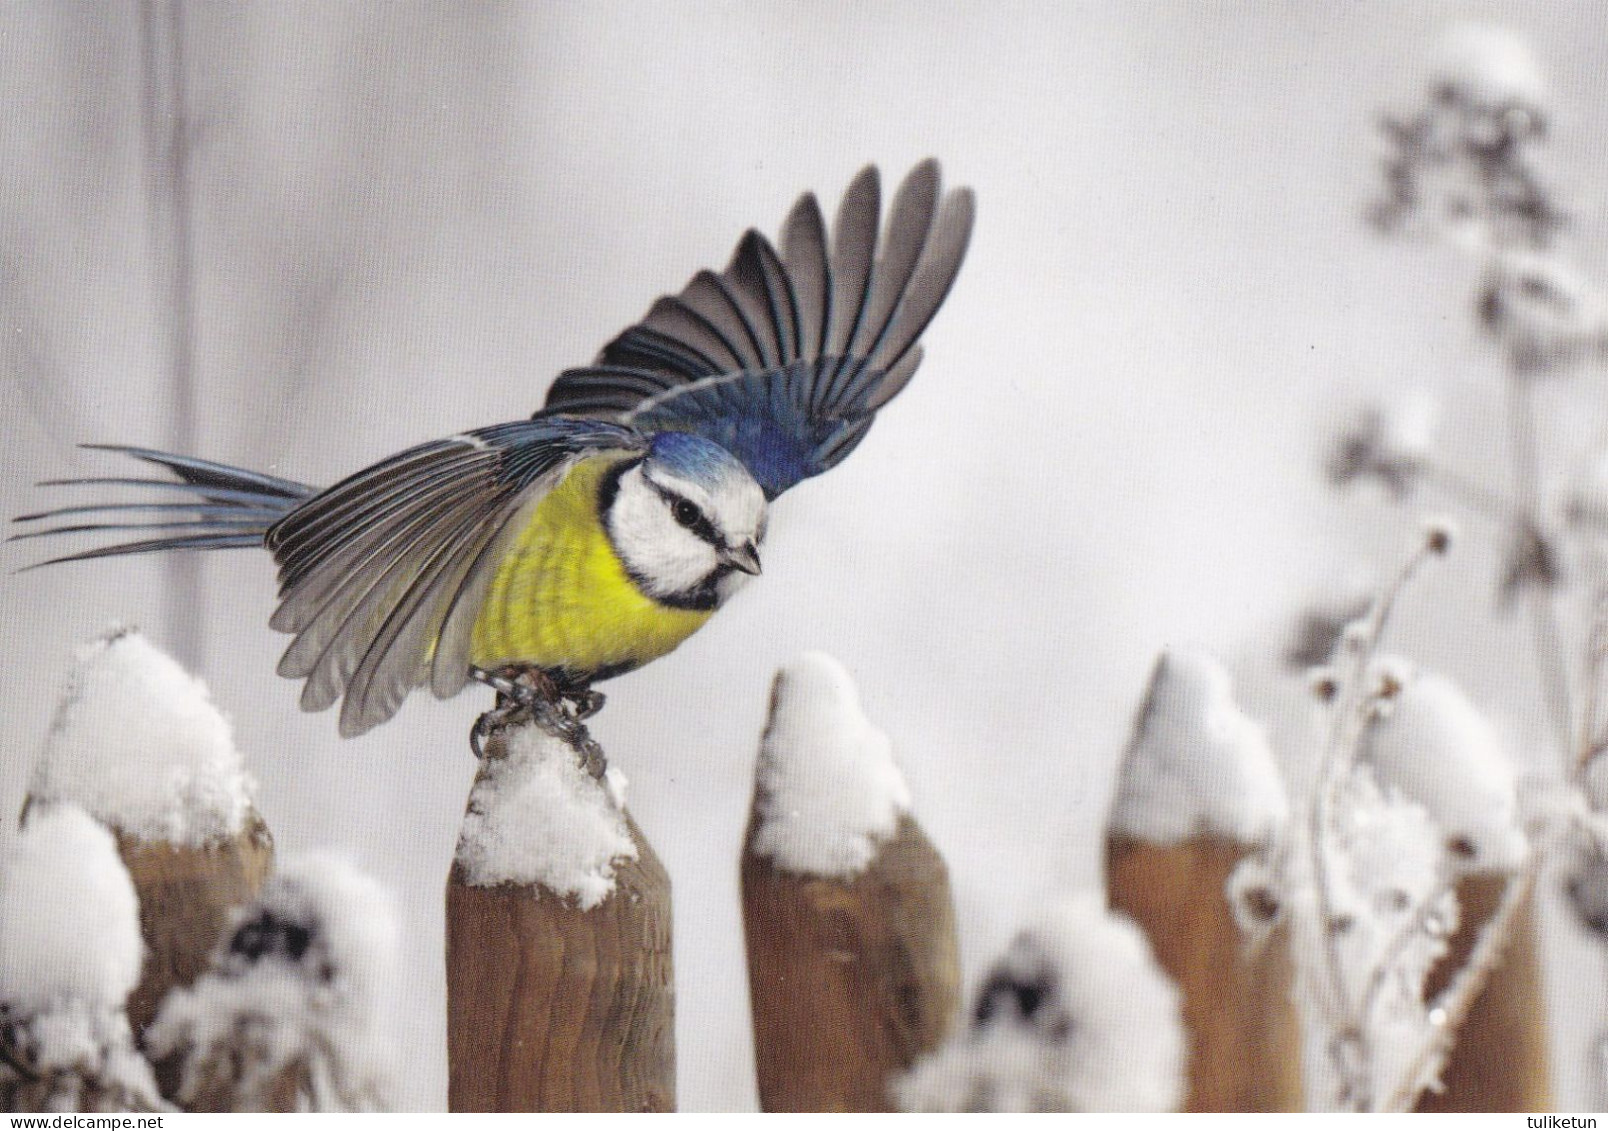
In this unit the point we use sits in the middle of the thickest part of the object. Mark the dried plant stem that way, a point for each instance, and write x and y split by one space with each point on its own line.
1593 736
1350 717
1417 924
1457 999
1546 635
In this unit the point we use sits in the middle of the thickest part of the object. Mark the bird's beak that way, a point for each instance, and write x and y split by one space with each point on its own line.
744 557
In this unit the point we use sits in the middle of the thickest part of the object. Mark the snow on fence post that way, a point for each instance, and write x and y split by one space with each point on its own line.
69 955
853 966
291 1013
560 987
137 742
1437 748
1074 1016
1198 794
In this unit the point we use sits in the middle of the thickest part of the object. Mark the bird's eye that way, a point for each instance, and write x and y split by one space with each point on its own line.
687 513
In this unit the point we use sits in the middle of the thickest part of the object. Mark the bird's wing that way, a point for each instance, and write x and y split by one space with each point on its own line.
785 357
381 577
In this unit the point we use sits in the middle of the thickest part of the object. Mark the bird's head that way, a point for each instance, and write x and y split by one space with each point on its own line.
686 520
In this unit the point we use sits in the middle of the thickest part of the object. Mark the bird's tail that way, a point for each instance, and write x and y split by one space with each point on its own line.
208 506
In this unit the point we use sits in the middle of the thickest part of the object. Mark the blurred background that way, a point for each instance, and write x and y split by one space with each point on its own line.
402 220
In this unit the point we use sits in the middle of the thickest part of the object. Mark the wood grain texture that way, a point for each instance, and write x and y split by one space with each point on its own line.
551 1008
187 896
1499 1062
1245 1051
850 980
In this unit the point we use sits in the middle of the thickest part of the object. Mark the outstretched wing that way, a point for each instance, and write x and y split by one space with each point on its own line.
381 577
785 358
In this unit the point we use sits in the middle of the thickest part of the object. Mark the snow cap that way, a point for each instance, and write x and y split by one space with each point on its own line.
1197 764
69 917
536 816
306 976
827 792
1076 1016
1488 66
1436 747
137 742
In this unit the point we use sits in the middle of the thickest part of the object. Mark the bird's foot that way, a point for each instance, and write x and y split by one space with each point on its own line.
531 695
585 701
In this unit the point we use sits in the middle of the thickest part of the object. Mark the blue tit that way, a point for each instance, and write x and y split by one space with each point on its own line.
598 535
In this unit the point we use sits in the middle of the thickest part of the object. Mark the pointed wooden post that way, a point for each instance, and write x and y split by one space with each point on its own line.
137 742
1197 792
1244 1032
853 967
560 985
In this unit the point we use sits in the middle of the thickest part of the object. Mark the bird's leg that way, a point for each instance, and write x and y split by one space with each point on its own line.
529 694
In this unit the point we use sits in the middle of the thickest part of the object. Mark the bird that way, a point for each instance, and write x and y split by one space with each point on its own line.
543 555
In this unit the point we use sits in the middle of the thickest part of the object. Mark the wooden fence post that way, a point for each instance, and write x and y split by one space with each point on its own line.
188 896
560 987
1244 1032
290 1014
853 967
1499 1061
137 742
1075 1015
1198 789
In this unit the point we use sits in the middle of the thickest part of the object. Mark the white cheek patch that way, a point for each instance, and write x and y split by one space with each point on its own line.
666 557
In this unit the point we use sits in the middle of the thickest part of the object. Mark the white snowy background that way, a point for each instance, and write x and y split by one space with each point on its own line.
410 216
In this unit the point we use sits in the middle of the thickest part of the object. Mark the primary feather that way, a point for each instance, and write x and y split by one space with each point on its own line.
784 359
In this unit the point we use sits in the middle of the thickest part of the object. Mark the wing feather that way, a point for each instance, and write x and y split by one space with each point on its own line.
805 262
786 358
909 221
383 574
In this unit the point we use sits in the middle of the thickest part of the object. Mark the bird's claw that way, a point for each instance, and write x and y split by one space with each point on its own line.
530 695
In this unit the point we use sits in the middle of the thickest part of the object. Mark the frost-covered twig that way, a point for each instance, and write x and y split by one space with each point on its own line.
1352 696
844 894
1451 1008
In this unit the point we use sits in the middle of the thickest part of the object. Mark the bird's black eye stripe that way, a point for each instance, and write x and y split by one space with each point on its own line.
687 513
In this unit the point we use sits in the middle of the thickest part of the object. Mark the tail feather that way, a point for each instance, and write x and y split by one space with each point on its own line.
210 506
205 473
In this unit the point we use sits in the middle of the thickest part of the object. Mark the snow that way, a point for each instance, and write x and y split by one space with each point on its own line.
70 953
303 982
1197 764
82 1058
69 918
1076 1016
1489 66
137 742
1438 749
535 816
827 792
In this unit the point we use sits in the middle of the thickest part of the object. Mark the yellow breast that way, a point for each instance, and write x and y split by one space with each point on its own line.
561 599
